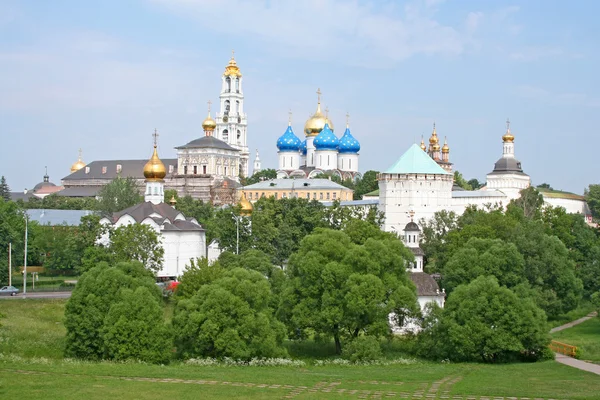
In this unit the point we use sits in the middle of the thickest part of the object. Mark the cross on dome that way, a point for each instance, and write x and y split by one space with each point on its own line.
319 95
347 120
290 117
209 104
507 124
155 137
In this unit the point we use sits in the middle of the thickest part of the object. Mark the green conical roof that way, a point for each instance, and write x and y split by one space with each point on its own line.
416 161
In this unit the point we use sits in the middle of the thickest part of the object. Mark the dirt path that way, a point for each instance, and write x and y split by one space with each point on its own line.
573 323
572 362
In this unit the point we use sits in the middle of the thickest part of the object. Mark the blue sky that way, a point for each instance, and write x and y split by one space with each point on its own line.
101 75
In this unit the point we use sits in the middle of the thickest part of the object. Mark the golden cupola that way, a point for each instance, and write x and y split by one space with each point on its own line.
232 68
423 147
434 138
445 147
315 124
245 205
78 164
155 170
209 124
508 137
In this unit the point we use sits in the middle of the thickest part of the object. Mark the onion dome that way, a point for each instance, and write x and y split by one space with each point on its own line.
445 147
245 205
315 124
173 201
436 147
155 170
78 164
423 147
508 137
289 141
303 147
348 144
232 69
326 140
434 138
209 124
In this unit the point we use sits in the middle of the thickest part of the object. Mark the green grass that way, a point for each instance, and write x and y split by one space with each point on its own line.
584 309
585 336
31 367
44 283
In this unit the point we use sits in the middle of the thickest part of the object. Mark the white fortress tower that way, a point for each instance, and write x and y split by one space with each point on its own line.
508 176
231 121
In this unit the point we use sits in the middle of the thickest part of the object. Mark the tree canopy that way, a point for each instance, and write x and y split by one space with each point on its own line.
119 194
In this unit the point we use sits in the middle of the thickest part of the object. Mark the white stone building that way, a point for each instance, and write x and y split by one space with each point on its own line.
182 238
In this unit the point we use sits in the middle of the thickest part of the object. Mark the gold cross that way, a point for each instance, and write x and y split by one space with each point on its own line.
319 95
80 152
232 54
209 103
155 136
326 112
507 124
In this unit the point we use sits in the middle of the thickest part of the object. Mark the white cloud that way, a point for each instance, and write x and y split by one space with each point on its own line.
366 34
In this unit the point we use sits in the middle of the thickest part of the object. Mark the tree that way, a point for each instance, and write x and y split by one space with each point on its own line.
229 317
366 184
137 242
341 290
262 175
459 180
134 328
199 273
119 194
4 189
483 321
484 257
531 201
544 186
96 291
12 230
475 184
592 197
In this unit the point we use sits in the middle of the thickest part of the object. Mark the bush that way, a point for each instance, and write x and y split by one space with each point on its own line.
363 348
134 329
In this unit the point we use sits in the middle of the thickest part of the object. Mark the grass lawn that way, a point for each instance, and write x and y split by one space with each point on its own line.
31 367
585 336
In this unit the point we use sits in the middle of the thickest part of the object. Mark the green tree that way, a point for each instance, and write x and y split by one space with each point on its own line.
475 184
12 230
483 321
366 184
483 257
137 242
530 201
262 175
119 194
544 186
341 290
4 189
96 291
134 328
229 317
592 197
199 273
459 180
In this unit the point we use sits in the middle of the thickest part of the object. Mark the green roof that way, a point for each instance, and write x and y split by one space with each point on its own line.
559 194
373 193
416 161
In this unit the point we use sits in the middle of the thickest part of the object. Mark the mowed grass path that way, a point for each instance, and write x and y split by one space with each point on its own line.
585 336
24 375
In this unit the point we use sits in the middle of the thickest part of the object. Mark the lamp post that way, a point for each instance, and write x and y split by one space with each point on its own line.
25 259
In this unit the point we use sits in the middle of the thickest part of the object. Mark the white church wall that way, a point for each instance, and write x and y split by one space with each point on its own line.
326 159
179 248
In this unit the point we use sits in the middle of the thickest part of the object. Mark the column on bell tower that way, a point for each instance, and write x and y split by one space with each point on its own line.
231 120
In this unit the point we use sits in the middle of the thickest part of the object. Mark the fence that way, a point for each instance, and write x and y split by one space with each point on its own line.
563 348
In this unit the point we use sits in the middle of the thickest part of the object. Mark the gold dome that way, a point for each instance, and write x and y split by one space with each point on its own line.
155 170
436 147
445 147
434 138
508 137
423 147
246 206
232 69
209 124
78 164
315 124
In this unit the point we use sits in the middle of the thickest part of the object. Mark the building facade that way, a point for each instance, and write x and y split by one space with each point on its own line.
322 190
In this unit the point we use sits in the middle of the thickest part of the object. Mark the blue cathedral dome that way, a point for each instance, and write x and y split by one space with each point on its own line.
348 143
326 140
303 147
288 141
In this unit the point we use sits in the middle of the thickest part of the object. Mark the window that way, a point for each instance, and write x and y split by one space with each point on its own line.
283 161
195 169
119 168
283 195
275 195
349 164
204 169
249 196
321 160
312 159
103 170
328 159
321 196
237 106
237 85
256 196
334 195
262 195
225 170
87 170
225 135
227 107
308 195
327 195
185 169
314 195
171 169
228 82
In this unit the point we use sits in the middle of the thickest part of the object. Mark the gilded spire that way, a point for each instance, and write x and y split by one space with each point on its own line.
423 147
232 69
154 170
209 124
315 123
508 137
445 148
245 205
434 138
78 164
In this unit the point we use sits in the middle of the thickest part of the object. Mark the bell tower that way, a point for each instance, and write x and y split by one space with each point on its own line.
231 119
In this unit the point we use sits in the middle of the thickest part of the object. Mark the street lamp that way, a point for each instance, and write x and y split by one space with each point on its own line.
237 231
25 259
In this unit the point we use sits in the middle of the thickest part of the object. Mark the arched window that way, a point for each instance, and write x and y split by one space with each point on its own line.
228 82
204 169
237 106
195 169
237 85
227 106
225 135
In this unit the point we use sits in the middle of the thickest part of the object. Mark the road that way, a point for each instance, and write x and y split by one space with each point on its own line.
40 295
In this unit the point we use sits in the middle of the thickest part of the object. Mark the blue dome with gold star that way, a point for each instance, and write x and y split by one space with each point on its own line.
348 143
303 147
326 140
288 141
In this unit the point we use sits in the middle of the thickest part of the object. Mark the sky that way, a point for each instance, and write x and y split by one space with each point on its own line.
102 75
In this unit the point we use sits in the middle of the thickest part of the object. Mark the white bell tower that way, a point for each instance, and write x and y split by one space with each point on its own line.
231 120
257 164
